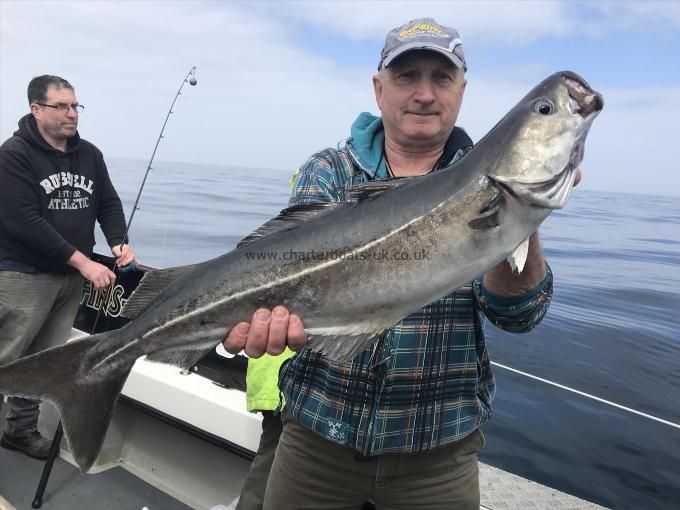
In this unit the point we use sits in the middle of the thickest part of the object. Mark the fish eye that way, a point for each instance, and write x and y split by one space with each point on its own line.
544 107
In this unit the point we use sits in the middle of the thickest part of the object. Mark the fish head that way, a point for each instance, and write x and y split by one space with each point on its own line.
544 141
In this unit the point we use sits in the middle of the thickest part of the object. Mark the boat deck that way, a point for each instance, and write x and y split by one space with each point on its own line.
115 489
502 490
118 488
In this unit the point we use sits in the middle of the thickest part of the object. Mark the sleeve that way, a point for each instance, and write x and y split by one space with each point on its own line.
110 211
20 209
516 314
315 182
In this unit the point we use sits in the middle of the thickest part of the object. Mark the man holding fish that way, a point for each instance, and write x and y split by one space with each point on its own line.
54 187
399 423
392 382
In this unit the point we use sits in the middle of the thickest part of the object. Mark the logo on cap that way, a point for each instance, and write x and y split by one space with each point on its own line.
420 27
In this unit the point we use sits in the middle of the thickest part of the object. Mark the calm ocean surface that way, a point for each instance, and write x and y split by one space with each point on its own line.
613 329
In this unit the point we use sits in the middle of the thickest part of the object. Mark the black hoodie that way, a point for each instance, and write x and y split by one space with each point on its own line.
49 200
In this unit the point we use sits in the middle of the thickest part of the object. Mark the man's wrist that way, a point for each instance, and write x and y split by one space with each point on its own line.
78 260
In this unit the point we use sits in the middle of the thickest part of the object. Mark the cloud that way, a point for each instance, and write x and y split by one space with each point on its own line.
260 99
266 100
492 22
633 15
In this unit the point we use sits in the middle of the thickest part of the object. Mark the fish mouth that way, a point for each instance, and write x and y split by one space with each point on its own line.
551 194
583 100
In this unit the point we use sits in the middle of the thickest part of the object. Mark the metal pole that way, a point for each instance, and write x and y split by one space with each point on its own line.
47 469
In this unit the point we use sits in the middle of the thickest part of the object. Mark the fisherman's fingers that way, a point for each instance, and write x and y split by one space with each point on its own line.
258 334
106 279
236 339
297 338
278 328
269 332
124 255
99 275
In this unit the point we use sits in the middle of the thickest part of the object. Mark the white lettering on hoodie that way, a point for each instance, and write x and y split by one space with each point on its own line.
57 180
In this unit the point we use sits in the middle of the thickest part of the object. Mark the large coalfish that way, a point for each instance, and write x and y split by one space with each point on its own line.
349 270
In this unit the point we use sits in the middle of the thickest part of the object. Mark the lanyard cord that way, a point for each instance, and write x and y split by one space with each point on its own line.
383 155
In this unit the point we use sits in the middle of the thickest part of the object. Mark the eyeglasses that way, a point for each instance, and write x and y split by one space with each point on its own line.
63 107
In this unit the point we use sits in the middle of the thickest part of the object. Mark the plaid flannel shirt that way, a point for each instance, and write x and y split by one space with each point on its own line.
428 381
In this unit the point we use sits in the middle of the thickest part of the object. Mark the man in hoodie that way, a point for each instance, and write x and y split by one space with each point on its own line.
55 186
400 422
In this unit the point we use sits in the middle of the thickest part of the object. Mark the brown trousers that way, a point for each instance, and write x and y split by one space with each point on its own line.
312 473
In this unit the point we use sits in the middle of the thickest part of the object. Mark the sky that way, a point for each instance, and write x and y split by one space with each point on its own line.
278 81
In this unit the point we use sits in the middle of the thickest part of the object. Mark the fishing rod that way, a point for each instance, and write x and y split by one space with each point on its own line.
190 78
191 81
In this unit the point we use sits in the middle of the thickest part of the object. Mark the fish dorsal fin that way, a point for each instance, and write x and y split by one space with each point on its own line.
296 215
290 218
152 283
372 189
518 258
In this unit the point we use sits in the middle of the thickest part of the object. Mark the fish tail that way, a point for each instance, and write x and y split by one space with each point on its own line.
85 400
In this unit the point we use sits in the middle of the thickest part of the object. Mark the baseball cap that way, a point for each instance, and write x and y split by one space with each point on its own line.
423 34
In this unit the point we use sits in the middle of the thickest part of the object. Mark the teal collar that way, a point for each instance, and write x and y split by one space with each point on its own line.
366 145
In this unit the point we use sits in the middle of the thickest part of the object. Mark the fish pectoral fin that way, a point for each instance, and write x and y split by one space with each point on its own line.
290 218
372 189
341 347
183 357
152 283
489 216
518 258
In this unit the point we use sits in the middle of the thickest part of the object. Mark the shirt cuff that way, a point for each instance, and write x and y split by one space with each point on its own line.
496 300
